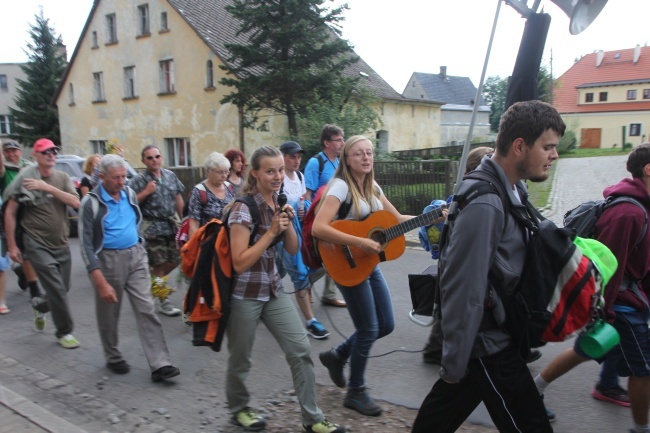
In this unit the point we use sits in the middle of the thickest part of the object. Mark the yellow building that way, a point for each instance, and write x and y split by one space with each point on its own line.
148 73
605 98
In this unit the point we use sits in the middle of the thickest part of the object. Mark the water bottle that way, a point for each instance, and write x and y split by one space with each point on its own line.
301 208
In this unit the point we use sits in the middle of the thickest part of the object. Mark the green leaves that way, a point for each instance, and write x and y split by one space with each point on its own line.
33 116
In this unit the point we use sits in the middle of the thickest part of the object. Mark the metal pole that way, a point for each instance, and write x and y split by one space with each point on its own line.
477 102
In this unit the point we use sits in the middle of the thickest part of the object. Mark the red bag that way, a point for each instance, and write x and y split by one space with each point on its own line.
308 247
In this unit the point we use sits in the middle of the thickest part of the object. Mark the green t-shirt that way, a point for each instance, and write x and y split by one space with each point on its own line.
11 171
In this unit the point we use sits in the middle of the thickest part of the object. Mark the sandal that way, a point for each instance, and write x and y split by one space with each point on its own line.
4 309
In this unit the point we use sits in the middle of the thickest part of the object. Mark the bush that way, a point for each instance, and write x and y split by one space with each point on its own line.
567 143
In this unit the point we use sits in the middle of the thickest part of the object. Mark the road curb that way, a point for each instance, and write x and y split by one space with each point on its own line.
35 413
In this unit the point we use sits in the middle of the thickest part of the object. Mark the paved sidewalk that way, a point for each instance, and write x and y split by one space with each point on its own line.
20 415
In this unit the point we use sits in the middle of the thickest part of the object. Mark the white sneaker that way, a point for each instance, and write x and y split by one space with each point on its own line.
168 309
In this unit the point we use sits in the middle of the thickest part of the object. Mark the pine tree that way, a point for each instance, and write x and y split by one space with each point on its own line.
294 58
34 116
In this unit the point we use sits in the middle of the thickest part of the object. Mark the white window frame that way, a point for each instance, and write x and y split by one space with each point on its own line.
98 146
4 84
144 27
631 95
111 29
129 82
164 24
98 86
179 151
166 76
5 124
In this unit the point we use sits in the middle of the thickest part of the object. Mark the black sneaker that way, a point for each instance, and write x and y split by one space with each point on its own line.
164 373
359 400
119 367
334 365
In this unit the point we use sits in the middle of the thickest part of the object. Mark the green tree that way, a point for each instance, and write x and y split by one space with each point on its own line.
355 114
33 116
495 91
293 58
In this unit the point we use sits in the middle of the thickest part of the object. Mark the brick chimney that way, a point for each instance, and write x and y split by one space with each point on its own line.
443 72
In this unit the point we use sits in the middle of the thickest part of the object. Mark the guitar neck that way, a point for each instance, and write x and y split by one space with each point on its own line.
413 223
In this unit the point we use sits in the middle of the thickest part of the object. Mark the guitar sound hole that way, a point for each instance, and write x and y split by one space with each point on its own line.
379 237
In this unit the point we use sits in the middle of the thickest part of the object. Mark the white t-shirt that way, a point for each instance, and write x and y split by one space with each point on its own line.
294 188
339 189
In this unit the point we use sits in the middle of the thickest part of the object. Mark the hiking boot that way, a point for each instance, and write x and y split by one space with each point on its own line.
68 342
323 427
615 395
359 400
334 365
249 419
119 367
168 309
164 373
317 330
39 320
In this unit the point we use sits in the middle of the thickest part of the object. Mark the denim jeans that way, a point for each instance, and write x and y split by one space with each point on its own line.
371 310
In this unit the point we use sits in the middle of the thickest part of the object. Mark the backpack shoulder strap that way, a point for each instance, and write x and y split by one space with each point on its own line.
611 201
203 193
321 163
230 187
345 207
254 212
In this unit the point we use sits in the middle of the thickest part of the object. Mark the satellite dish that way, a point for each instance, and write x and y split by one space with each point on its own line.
581 12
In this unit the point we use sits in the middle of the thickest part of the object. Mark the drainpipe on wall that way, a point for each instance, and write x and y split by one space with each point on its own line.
241 129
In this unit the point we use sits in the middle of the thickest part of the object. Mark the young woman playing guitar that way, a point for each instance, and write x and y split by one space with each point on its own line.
369 302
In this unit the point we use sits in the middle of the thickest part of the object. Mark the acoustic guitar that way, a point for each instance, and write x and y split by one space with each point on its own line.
349 265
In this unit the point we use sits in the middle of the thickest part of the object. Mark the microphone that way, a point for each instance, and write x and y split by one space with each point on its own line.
282 200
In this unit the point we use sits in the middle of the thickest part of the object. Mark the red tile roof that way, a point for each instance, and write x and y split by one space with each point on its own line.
616 67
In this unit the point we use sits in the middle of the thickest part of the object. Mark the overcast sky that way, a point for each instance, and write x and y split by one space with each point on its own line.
397 38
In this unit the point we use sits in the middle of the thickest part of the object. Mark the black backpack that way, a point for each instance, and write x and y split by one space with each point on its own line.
583 218
559 286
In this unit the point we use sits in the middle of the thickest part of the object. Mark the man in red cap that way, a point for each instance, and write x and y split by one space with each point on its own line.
10 165
40 193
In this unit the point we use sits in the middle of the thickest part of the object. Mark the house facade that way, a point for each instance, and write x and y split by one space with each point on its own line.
9 73
605 98
148 73
456 94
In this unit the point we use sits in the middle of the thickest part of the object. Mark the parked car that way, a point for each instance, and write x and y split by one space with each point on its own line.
73 166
